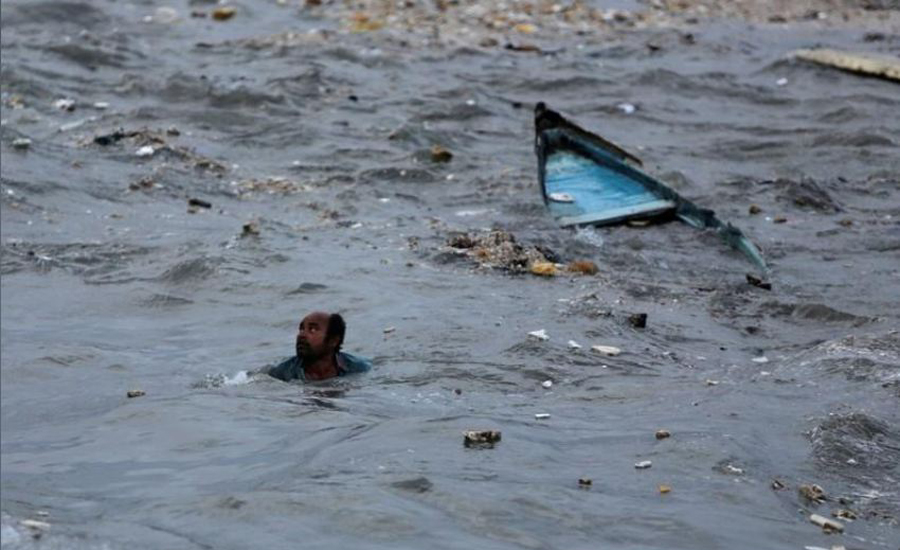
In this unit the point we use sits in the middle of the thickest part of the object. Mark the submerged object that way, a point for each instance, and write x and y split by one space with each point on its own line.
606 186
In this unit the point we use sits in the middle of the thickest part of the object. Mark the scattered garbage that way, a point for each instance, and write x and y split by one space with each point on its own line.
812 493
753 280
762 359
585 267
541 416
250 229
643 465
712 382
611 351
199 203
585 482
499 249
778 485
638 320
561 197
754 210
485 438
626 108
827 525
223 13
65 104
781 82
21 143
101 105
439 154
544 269
389 330
145 151
135 393
662 434
848 515
547 384
35 524
574 345
866 64
539 334
730 469
664 489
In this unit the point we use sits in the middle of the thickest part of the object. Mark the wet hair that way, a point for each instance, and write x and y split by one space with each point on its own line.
336 328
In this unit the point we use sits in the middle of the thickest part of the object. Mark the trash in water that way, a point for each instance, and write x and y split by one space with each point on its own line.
223 13
585 267
439 154
499 249
612 351
607 187
712 382
729 469
812 493
35 524
778 485
574 345
753 280
626 108
539 334
199 203
638 320
754 209
545 269
250 229
65 104
827 525
762 359
547 384
643 465
585 482
481 438
848 515
662 434
136 393
561 197
21 143
781 82
663 489
866 64
145 151
541 416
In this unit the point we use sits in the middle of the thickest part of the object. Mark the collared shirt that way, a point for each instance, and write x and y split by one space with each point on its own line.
292 368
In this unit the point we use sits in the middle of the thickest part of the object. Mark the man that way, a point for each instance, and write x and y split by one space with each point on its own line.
319 355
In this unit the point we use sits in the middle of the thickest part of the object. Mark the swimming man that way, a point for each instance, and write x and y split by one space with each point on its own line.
319 356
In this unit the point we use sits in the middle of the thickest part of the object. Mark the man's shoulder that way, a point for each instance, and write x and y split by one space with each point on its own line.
286 370
354 363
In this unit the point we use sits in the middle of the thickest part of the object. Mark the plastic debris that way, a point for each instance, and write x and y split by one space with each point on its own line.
199 203
638 320
21 143
662 434
539 334
389 330
541 416
585 482
250 229
612 351
439 154
35 524
827 525
547 384
753 280
848 515
145 151
482 438
574 345
781 82
561 197
101 105
778 485
664 489
545 269
762 359
585 267
812 493
643 465
712 382
754 209
729 469
626 108
136 393
223 13
65 104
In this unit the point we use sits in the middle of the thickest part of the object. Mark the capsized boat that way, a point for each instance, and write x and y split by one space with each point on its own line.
587 180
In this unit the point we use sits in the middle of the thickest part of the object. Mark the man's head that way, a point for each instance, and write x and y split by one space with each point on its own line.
320 334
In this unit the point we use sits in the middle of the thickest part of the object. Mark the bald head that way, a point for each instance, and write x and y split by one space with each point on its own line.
320 334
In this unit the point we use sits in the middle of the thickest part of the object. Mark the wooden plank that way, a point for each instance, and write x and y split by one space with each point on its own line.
867 64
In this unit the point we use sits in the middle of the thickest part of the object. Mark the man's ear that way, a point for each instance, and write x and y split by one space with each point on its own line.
333 341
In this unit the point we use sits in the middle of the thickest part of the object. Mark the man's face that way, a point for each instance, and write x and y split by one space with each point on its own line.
311 341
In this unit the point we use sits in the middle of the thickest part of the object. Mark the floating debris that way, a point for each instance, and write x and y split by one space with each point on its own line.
541 416
35 524
812 493
762 359
499 249
199 203
585 482
544 269
848 515
223 13
643 465
730 469
827 525
585 267
135 393
574 345
778 485
868 64
481 438
21 143
65 104
626 108
145 151
561 197
753 280
754 210
547 384
638 320
712 382
611 351
662 434
439 154
250 229
664 489
539 334
389 330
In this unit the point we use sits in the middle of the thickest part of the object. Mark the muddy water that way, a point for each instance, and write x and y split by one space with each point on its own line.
110 282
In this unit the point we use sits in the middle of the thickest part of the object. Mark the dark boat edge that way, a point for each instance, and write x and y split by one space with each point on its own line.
553 130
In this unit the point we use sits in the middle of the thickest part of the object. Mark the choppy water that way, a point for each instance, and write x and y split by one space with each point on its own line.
110 284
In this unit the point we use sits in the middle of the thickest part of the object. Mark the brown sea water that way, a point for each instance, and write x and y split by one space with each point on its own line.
321 138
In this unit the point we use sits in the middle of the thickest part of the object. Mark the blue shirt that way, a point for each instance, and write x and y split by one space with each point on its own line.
292 369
